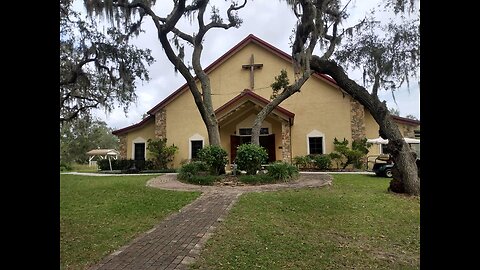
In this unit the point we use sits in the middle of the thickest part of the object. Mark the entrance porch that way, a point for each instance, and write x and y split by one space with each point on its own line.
236 118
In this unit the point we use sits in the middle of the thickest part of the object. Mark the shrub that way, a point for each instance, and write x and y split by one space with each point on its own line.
203 180
250 157
125 164
161 153
215 157
352 155
334 156
302 162
194 168
65 167
282 171
322 162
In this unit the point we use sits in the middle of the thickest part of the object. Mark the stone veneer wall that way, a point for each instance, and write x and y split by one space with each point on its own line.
408 131
286 146
123 146
161 124
357 120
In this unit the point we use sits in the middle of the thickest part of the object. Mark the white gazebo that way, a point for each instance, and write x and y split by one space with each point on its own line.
102 154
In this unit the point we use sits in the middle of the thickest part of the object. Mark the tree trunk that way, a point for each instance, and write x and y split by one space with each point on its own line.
286 93
402 155
202 100
257 124
213 132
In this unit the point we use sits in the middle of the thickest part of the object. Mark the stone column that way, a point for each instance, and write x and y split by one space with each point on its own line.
286 146
357 120
161 124
123 146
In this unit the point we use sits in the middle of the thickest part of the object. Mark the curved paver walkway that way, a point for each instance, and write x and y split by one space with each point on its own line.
178 239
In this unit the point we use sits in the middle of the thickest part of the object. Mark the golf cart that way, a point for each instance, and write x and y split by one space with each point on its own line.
383 166
383 163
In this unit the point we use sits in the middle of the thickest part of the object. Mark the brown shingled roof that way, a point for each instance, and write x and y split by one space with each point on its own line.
406 121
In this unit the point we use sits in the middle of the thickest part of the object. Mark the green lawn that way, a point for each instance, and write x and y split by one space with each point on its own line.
101 214
354 224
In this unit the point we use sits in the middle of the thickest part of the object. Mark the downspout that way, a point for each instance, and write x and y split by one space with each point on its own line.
290 138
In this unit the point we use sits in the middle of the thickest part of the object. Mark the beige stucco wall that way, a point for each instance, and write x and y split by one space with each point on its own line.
138 135
319 106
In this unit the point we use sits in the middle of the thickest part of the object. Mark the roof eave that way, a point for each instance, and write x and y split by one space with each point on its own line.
133 127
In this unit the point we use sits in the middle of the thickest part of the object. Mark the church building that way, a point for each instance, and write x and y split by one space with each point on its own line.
305 123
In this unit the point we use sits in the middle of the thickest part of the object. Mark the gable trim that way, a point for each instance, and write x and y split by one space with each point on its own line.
250 38
406 121
259 99
134 126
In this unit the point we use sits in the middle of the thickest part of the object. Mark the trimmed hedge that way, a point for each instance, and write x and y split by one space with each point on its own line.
126 165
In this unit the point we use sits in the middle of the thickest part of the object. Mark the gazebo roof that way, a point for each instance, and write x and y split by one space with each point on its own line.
102 152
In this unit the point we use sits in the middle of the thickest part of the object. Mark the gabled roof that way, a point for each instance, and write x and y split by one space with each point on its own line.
249 39
134 126
248 95
406 121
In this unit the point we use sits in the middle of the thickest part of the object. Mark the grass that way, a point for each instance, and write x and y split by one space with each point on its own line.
77 167
354 224
100 214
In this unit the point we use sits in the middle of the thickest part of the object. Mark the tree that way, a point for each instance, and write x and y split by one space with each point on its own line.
81 135
411 116
386 63
123 11
317 24
394 111
351 155
97 69
161 154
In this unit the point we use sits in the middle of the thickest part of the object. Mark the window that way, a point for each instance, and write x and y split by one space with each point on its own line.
315 145
139 151
417 133
195 146
315 142
248 131
195 143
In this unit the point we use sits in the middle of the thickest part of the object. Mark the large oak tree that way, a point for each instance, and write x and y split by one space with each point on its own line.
98 68
173 40
388 59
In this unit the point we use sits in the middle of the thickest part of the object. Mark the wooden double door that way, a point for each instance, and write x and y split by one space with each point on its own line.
267 141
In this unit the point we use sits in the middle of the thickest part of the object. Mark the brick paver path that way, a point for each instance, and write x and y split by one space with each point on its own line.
178 239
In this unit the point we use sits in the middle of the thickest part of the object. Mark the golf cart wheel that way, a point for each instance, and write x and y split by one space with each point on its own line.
388 173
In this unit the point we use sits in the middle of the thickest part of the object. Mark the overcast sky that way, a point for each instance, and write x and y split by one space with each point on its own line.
269 20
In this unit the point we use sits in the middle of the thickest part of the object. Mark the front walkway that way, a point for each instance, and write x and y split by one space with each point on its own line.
178 239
